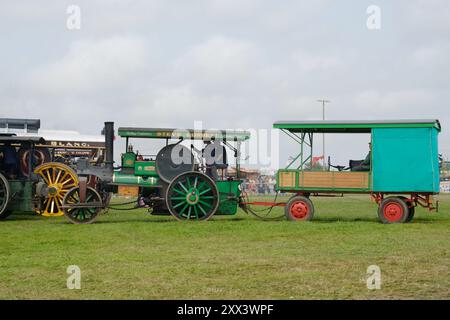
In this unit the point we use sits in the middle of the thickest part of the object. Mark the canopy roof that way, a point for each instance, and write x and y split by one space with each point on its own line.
29 124
188 134
354 126
15 139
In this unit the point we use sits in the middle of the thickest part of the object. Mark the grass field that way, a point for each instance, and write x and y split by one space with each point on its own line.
132 255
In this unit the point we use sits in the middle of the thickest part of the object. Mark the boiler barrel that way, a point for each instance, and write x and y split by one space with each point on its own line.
131 179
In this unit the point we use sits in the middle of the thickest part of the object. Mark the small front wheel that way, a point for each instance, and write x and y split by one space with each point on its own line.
393 210
82 213
299 208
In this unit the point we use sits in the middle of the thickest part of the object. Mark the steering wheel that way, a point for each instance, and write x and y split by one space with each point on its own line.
339 168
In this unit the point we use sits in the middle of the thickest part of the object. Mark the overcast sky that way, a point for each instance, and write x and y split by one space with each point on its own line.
229 63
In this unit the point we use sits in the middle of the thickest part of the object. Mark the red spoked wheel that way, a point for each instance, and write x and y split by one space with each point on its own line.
393 210
299 208
40 156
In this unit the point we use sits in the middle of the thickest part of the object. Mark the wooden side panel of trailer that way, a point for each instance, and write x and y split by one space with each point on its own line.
323 180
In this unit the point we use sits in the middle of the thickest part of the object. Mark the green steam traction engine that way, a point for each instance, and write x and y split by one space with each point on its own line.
181 181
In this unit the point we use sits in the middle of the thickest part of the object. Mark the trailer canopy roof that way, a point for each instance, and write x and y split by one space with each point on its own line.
188 134
353 126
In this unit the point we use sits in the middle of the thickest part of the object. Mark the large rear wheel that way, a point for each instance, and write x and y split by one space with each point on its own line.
192 196
5 194
59 179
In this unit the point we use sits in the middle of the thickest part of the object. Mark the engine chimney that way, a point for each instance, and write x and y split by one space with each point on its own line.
109 145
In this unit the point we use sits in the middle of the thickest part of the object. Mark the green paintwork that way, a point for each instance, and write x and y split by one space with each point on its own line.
353 126
22 192
404 156
128 160
130 179
192 196
145 168
144 174
163 133
229 195
405 160
323 190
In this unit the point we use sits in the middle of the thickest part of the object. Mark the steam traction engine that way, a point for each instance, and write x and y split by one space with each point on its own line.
174 182
36 174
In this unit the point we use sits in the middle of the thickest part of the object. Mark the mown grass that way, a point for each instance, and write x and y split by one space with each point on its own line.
132 255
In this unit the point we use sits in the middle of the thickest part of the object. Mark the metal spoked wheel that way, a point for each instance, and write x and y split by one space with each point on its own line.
82 213
5 193
192 196
40 156
172 160
59 178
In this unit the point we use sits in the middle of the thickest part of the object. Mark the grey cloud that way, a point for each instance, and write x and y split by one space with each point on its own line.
90 65
228 63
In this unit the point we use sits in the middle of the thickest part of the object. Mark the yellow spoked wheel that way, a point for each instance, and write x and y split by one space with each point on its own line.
59 179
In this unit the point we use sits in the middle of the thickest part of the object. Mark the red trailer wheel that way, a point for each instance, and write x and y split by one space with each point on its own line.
393 210
299 208
410 214
411 209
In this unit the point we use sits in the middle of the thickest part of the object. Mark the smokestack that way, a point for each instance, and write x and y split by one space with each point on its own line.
109 145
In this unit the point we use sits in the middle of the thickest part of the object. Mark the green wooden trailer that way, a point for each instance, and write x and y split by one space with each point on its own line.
402 172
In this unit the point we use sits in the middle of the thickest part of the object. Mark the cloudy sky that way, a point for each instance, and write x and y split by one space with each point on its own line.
228 63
